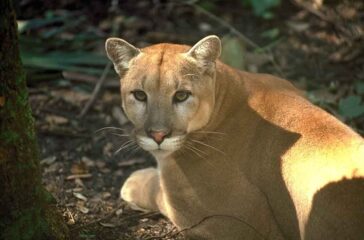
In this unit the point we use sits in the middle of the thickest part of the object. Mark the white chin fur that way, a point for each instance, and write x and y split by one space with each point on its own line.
168 145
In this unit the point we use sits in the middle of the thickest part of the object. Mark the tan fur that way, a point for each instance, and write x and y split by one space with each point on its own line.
256 159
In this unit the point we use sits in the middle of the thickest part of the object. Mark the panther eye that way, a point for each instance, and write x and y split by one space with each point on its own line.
140 95
181 96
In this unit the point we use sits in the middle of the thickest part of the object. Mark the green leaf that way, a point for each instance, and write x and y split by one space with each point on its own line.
32 24
261 7
233 52
359 86
271 33
76 61
351 107
208 5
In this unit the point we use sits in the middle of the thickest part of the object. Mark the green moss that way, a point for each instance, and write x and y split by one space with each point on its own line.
9 137
20 79
36 223
45 195
26 226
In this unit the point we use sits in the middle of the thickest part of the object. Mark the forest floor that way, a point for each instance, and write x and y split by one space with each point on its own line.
320 50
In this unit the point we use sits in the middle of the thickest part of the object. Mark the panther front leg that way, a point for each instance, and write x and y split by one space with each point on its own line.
142 190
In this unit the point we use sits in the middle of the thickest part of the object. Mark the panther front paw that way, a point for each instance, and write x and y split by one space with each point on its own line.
133 189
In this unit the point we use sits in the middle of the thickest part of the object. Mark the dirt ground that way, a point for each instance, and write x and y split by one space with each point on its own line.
321 51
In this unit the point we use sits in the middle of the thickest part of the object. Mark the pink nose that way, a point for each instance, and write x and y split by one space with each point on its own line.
158 136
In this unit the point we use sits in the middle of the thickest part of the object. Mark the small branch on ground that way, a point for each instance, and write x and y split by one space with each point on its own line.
173 234
79 176
114 11
109 215
96 90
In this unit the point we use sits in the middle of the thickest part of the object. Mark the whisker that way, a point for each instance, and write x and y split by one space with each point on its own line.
125 145
210 132
107 128
194 151
207 145
134 150
195 148
190 147
121 135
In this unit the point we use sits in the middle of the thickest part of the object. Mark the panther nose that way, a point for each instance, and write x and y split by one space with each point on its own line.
158 136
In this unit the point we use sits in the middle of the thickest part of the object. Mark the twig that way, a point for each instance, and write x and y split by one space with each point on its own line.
96 90
114 11
96 221
203 220
139 215
72 177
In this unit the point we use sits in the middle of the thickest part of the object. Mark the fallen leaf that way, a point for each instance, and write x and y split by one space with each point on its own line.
54 167
89 162
79 168
109 225
56 120
48 160
130 162
80 196
119 212
83 209
298 26
79 182
77 189
72 97
105 170
100 164
119 172
108 149
106 195
79 176
69 216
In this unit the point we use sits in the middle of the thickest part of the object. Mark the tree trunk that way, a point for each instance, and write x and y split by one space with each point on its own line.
26 209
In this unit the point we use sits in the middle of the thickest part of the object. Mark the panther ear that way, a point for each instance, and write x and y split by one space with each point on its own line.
207 50
120 52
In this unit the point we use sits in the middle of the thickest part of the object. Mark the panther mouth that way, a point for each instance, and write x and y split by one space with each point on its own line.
170 144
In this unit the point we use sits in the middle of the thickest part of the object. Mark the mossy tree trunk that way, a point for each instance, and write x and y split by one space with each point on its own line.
26 209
